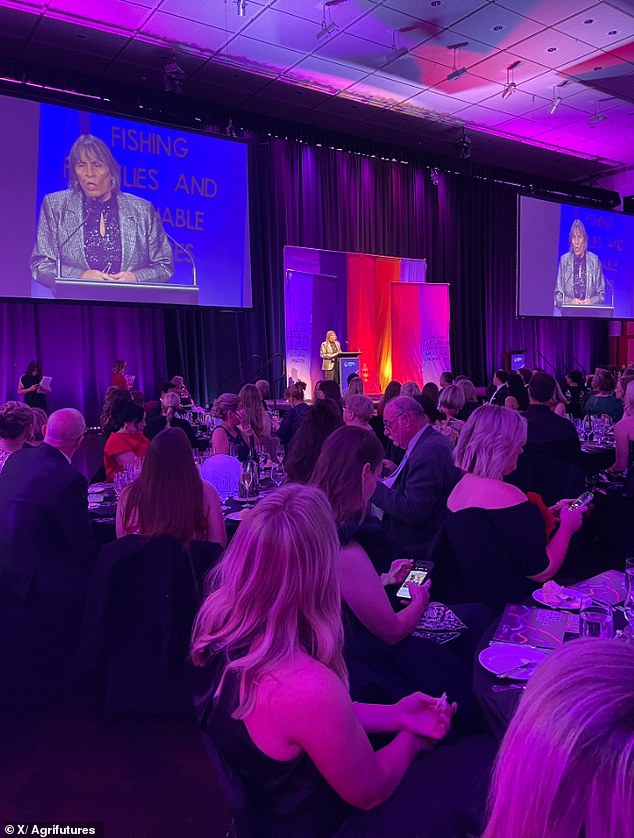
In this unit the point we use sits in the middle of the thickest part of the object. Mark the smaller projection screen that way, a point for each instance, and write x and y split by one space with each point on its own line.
104 209
574 261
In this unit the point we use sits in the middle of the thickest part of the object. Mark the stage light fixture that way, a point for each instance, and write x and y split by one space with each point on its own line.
395 55
556 103
326 30
241 7
596 117
457 72
510 86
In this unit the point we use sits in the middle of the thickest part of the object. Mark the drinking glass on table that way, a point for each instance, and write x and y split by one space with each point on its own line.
278 475
596 620
263 456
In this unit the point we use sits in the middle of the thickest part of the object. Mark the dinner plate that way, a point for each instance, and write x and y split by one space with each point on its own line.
236 516
565 605
98 488
515 662
248 500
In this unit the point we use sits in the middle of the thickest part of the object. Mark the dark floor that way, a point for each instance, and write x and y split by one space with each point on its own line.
141 779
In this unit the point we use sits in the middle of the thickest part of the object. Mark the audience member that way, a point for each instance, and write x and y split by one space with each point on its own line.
16 423
328 389
170 403
450 403
558 402
470 398
169 497
178 383
127 442
392 390
264 389
551 461
501 388
39 424
138 397
431 390
525 374
294 416
496 535
517 398
358 410
446 378
355 387
114 396
566 765
277 707
603 401
624 433
410 388
413 499
575 393
46 553
320 421
227 438
254 419
30 386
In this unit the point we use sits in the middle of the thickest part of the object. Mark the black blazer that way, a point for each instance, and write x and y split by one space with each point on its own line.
46 542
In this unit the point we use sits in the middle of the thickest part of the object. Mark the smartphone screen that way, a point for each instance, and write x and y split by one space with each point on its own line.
416 576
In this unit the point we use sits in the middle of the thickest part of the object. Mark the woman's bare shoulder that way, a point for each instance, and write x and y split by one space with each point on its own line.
484 493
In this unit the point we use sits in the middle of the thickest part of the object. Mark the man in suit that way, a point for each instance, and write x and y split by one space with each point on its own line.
93 231
550 463
413 499
501 391
46 559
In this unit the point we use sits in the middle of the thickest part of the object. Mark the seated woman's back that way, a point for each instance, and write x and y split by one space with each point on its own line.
169 497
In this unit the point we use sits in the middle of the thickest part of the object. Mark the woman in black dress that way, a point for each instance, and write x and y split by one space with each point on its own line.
30 386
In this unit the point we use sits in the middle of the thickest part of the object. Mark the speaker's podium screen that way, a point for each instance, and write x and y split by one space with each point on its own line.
104 209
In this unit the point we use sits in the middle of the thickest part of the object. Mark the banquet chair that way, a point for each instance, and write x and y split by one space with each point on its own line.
223 472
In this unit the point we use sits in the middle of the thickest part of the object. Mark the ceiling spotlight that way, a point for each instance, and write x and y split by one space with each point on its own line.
556 103
455 74
457 71
326 29
242 8
401 52
510 85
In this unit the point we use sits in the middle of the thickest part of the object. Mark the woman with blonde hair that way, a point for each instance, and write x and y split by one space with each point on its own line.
277 706
227 437
255 420
559 403
16 421
566 765
169 497
496 535
624 433
470 398
450 403
328 351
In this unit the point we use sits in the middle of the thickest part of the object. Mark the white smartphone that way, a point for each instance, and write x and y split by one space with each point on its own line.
417 576
582 501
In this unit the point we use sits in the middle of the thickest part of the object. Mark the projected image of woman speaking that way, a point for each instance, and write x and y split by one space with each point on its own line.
94 232
580 280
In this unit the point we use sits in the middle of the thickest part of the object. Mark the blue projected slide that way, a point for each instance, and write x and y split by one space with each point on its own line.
574 261
145 213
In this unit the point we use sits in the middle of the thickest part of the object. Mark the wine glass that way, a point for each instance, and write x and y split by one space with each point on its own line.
246 480
278 475
279 454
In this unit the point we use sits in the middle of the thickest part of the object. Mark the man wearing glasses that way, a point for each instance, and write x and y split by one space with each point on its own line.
46 558
413 498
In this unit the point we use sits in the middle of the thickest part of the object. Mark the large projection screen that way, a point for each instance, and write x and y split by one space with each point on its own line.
171 227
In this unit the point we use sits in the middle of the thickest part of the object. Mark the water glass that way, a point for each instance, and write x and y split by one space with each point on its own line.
596 620
278 475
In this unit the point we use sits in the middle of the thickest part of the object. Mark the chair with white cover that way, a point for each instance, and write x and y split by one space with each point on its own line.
223 472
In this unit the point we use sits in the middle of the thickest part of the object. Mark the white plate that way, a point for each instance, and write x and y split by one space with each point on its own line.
98 488
501 658
248 500
235 516
564 605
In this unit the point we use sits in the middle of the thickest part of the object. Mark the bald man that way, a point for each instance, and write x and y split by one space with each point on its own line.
46 559
44 528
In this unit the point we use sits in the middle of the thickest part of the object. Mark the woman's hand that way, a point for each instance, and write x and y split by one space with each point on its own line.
124 276
96 275
420 594
33 388
387 467
570 519
425 716
397 572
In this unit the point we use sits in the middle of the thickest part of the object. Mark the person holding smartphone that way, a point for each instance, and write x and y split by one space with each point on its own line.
275 703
